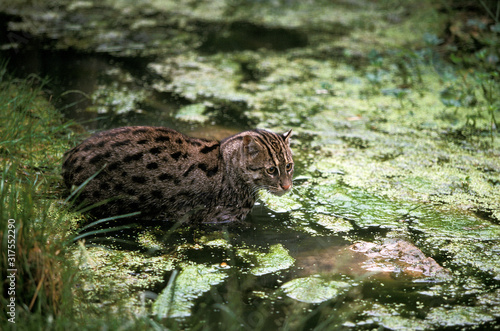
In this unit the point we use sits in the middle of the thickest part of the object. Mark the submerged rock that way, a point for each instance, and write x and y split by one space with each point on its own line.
397 256
392 259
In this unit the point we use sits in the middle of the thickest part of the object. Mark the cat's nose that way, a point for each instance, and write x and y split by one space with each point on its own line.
286 186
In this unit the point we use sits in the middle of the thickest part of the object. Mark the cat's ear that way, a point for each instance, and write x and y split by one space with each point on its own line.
250 146
286 136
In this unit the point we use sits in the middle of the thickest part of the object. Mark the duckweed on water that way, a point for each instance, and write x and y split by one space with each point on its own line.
192 113
333 223
314 289
275 260
117 100
117 275
176 300
199 79
459 316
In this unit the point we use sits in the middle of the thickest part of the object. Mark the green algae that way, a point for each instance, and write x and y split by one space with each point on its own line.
479 255
384 140
491 302
118 276
192 113
314 289
198 79
333 223
458 316
276 259
279 205
176 300
390 316
116 100
284 93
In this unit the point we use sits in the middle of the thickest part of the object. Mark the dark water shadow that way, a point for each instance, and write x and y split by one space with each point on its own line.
242 35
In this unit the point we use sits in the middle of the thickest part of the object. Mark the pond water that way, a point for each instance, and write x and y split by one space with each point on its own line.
337 252
94 91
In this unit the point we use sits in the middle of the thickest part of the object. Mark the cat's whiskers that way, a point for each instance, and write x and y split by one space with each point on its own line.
256 189
295 185
296 191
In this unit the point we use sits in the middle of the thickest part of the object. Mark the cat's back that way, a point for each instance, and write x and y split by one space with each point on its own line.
143 165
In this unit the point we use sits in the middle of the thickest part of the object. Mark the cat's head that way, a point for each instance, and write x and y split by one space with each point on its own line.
267 160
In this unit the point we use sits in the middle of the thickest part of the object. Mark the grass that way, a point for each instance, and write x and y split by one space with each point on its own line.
33 138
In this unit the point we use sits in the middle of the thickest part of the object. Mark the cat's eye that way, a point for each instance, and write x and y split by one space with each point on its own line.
271 170
289 166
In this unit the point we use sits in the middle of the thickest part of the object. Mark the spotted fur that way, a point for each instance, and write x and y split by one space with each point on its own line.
166 175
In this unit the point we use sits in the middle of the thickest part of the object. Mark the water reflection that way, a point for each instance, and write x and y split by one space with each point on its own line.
101 92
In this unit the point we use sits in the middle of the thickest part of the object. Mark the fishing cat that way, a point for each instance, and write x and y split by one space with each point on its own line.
164 174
